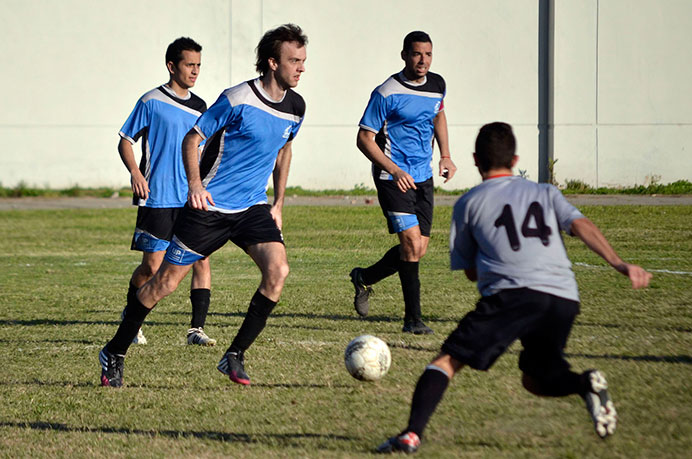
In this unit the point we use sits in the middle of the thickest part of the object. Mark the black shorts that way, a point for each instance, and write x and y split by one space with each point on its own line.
154 228
405 210
541 321
198 232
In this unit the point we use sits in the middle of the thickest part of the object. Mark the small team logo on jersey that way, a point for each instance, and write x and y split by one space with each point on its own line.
287 132
437 106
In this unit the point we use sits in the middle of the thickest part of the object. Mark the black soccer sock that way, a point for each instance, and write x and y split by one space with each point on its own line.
429 391
135 313
200 298
410 286
560 385
254 322
384 267
131 292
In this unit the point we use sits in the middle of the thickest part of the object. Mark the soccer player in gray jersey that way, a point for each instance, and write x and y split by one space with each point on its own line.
505 235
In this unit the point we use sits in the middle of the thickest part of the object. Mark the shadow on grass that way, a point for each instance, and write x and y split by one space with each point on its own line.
286 439
97 385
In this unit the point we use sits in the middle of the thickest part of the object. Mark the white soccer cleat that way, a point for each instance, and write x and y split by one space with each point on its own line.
197 336
600 406
139 339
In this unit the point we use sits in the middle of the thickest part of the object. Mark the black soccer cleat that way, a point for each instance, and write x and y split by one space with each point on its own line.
112 367
417 328
407 442
599 404
232 364
360 300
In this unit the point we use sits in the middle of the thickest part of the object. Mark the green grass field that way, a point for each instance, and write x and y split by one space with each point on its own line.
63 285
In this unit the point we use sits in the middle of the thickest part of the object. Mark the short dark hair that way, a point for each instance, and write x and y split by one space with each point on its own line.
415 36
174 53
495 146
270 44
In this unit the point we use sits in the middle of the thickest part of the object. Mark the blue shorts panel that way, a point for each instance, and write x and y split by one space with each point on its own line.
146 242
179 254
400 222
417 203
154 228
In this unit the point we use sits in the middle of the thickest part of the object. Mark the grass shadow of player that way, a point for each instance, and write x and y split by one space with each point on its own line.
286 439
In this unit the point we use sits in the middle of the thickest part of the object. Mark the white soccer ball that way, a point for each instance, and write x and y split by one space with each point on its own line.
367 358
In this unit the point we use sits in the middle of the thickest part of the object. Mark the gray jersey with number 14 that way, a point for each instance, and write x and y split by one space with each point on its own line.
508 228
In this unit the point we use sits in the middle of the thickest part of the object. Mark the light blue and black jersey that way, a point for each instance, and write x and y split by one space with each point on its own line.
244 131
161 120
401 115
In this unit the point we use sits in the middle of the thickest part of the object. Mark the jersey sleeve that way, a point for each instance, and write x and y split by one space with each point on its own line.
375 113
462 245
295 129
565 212
138 121
220 114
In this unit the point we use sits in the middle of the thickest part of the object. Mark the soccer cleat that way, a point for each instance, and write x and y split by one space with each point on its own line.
232 364
599 404
407 442
417 328
197 336
139 339
360 300
112 367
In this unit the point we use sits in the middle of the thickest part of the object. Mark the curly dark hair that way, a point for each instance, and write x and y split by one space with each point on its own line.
270 44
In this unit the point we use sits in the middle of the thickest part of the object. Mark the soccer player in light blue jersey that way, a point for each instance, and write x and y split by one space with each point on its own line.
404 116
505 235
248 132
160 120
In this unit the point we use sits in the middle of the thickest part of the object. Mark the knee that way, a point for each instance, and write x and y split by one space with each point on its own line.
149 268
275 276
281 273
412 250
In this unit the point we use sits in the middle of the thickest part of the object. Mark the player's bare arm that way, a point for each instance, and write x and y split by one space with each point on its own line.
594 239
140 187
197 196
442 138
280 178
366 144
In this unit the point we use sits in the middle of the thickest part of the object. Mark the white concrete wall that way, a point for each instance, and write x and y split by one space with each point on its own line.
75 69
623 98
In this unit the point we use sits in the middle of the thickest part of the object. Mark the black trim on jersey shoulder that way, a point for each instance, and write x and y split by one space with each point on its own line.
434 83
194 101
292 102
212 147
